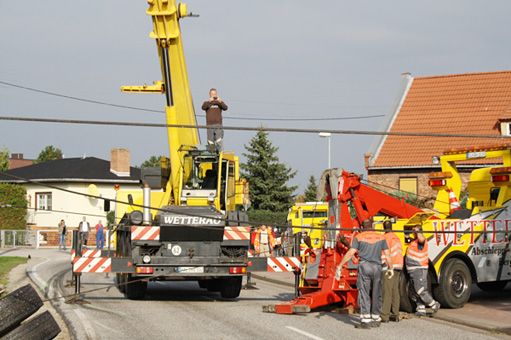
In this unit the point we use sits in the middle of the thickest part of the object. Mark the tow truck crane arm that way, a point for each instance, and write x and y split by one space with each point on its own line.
322 288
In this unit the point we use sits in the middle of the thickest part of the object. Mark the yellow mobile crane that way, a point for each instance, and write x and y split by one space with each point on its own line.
181 233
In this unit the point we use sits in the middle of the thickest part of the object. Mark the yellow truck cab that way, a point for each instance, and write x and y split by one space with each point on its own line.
309 218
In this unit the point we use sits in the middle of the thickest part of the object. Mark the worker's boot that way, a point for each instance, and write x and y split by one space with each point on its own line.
421 311
435 307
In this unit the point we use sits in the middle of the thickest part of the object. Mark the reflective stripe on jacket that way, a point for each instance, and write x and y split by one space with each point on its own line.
416 258
396 251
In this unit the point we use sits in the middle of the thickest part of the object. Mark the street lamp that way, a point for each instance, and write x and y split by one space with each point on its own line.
326 135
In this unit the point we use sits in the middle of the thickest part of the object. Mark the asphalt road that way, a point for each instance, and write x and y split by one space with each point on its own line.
175 310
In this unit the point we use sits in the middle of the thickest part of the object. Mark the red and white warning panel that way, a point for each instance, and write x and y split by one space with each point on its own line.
284 264
145 233
86 253
236 233
103 265
92 265
274 264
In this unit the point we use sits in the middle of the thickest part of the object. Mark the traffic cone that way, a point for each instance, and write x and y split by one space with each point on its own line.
453 201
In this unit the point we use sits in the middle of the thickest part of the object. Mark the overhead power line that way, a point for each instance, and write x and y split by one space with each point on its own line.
161 111
261 128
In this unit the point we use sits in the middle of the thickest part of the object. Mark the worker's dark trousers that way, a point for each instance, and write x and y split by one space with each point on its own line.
390 295
419 279
369 276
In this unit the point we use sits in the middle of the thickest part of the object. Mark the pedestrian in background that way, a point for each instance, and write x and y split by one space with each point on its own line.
390 286
369 245
62 234
84 229
417 263
264 242
100 237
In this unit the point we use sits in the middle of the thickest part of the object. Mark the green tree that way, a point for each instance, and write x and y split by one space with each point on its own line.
4 158
13 204
49 154
266 176
154 161
311 191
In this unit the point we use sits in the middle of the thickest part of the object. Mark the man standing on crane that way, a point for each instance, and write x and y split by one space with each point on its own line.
417 263
369 245
214 107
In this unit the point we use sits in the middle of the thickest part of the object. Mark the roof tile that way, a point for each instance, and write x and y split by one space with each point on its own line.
453 104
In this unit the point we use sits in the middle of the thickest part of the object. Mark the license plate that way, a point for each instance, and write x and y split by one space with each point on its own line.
191 269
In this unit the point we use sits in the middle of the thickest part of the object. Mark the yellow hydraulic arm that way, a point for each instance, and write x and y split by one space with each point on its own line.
179 109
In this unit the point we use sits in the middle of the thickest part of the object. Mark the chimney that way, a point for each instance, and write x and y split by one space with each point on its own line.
367 158
120 162
17 156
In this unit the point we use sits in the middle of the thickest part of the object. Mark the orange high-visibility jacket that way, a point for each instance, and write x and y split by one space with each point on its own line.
257 240
396 251
415 258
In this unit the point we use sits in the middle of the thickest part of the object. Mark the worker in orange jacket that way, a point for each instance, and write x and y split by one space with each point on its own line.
390 286
369 245
417 263
264 242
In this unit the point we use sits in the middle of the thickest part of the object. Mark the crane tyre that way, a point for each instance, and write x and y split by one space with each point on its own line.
135 288
231 287
214 285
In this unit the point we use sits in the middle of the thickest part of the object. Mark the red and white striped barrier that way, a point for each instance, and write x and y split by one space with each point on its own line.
145 233
283 264
86 253
237 233
92 265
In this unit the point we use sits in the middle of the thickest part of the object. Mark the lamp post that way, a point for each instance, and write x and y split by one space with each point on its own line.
326 135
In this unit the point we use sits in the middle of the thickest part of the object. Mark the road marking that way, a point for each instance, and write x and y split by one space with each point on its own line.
304 333
39 281
89 330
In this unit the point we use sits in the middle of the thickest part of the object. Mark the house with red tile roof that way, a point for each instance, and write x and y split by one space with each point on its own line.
477 104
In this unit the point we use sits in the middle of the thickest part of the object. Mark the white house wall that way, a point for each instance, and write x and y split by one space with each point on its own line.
69 206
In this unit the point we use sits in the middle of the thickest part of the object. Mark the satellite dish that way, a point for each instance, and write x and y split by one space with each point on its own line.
93 190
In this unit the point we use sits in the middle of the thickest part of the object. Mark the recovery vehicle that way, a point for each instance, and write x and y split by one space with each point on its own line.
175 227
308 218
465 245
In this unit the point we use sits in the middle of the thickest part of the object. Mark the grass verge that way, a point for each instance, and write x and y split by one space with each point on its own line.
6 264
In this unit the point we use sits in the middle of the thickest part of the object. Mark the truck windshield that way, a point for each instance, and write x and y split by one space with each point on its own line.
200 172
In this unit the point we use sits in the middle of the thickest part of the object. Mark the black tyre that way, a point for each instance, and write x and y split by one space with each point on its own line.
406 303
121 281
203 284
214 285
119 249
231 287
454 286
492 286
135 288
407 300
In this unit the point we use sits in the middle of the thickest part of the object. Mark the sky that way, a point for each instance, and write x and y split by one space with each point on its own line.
332 65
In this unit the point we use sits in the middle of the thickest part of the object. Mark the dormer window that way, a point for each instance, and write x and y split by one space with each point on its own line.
505 128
